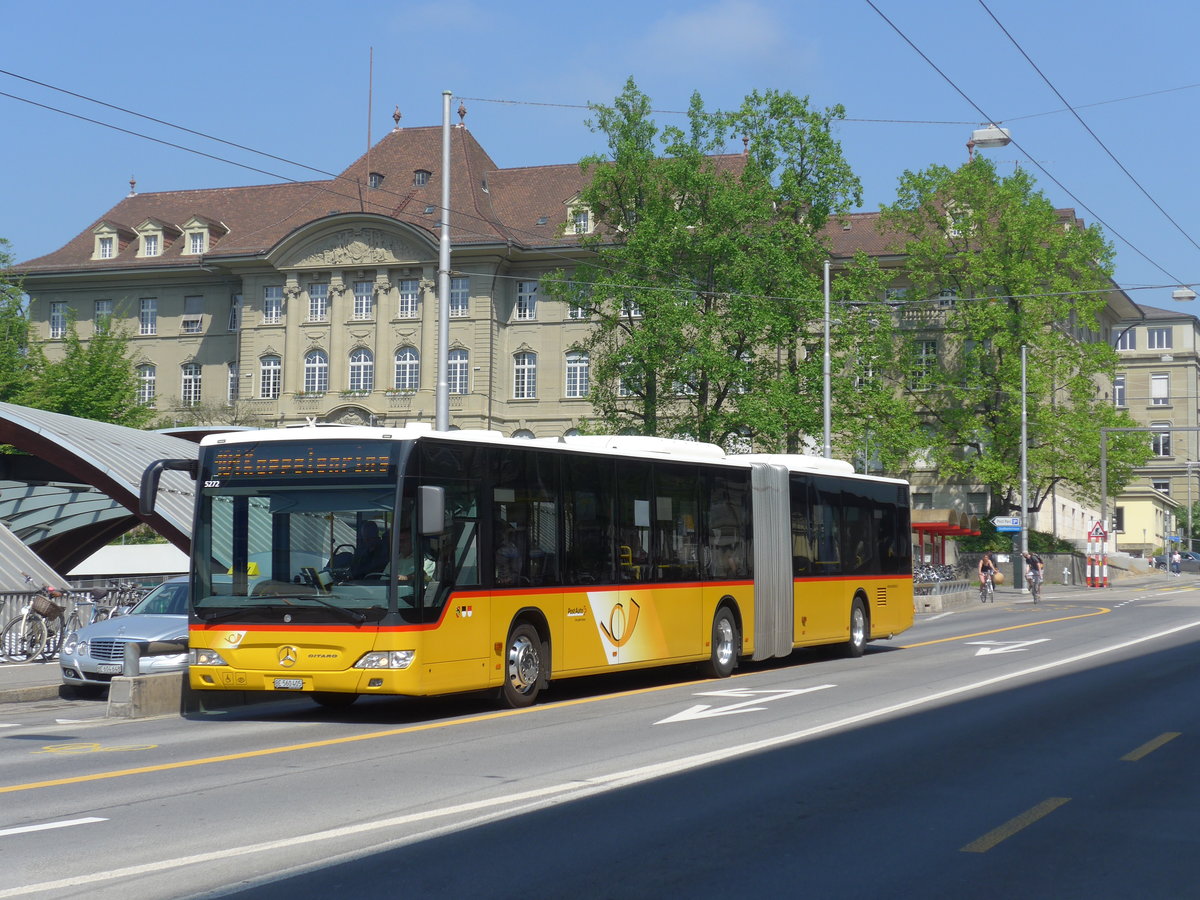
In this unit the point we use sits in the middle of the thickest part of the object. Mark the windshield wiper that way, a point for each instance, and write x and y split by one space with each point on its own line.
234 612
353 615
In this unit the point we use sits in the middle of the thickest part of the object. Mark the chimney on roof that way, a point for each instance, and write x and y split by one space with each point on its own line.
132 187
396 117
745 145
462 114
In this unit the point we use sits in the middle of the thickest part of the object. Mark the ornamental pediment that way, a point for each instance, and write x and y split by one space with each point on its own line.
355 248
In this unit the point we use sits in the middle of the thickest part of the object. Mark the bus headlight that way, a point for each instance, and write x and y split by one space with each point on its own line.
386 659
200 657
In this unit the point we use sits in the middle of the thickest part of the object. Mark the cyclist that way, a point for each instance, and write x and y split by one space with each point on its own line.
1033 574
986 569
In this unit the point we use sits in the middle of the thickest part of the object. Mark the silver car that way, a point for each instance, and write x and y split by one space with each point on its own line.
91 656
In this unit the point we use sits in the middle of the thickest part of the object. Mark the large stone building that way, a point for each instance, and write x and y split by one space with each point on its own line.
318 299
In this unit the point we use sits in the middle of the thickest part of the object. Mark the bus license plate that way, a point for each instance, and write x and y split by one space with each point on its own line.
289 684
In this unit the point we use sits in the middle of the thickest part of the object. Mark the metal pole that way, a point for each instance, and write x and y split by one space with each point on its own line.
442 389
1024 473
828 447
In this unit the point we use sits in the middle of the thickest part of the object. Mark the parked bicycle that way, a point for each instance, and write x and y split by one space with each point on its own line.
27 636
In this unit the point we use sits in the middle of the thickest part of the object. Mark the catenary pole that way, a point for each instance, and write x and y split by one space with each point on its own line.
442 392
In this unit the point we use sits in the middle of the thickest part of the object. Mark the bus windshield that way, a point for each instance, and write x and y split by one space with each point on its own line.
278 541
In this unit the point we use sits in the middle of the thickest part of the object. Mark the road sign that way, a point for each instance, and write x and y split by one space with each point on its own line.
1007 523
1098 533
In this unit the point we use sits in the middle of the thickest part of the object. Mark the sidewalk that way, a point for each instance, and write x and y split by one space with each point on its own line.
27 682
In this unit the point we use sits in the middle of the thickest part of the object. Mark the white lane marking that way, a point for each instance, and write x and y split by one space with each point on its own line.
10 725
938 616
509 805
47 826
706 710
987 647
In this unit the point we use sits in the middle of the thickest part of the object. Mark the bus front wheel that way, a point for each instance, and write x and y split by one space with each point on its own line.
524 668
334 700
723 656
858 630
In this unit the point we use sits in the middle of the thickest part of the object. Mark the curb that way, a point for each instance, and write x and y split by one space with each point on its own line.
29 694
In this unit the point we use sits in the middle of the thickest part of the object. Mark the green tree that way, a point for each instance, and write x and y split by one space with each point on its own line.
704 278
1024 276
20 359
94 379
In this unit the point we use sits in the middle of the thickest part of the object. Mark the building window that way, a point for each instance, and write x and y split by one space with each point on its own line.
1160 441
150 245
577 311
102 316
318 303
106 248
458 371
58 319
410 293
1162 485
147 375
1160 390
631 309
924 362
1127 339
363 295
408 370
895 295
947 297
316 372
525 376
581 221
527 300
362 370
375 180
1119 390
1158 338
191 384
421 177
272 304
193 315
270 375
577 374
460 296
235 311
148 316
234 384
196 242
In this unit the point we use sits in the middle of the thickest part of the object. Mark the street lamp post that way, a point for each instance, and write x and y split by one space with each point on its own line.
825 370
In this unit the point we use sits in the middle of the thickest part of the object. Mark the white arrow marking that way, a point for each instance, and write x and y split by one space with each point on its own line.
706 711
1004 646
48 825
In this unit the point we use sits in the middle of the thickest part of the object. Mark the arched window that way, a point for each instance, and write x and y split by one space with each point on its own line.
577 373
316 372
147 375
191 384
525 376
459 375
362 370
270 375
408 370
523 434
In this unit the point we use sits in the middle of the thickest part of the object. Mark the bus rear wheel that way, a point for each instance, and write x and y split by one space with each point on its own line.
524 667
723 656
857 643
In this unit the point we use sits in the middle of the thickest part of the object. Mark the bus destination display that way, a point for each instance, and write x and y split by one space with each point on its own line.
266 461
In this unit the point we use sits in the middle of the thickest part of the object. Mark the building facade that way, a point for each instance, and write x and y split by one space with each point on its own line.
278 303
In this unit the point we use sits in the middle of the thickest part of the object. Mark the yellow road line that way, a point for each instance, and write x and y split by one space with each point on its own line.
1150 746
1099 612
1012 826
329 742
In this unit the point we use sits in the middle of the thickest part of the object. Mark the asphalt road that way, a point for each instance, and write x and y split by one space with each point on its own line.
1000 751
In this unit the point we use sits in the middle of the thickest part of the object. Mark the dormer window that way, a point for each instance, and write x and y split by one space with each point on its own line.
375 180
105 247
581 220
110 240
150 244
196 242
421 177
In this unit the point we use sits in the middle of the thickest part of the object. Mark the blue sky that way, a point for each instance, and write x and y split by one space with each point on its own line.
291 79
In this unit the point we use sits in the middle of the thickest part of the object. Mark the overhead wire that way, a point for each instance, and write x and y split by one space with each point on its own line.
1095 216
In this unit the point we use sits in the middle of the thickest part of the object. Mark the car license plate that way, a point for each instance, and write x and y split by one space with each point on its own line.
110 669
289 684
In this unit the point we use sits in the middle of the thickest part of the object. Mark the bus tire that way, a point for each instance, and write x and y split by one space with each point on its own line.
524 667
724 648
334 699
859 626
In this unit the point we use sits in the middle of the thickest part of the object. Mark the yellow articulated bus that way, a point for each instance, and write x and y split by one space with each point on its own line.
342 561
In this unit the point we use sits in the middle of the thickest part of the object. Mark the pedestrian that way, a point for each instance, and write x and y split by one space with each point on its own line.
1176 563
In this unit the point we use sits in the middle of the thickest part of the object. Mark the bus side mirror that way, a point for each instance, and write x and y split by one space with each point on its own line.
433 509
149 488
